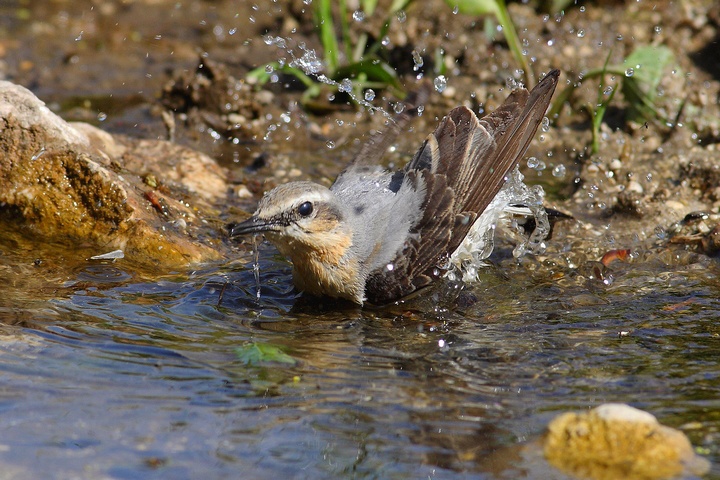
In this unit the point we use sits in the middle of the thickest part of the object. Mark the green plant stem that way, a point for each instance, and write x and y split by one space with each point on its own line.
513 41
327 35
597 113
345 28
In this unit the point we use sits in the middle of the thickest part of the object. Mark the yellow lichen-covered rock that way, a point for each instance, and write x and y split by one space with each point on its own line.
73 183
618 441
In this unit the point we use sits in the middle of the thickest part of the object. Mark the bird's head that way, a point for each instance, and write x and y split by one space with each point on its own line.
300 218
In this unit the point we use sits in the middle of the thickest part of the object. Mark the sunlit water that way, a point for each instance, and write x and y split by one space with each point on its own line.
105 374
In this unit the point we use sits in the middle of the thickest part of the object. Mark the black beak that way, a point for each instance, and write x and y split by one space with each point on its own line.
252 225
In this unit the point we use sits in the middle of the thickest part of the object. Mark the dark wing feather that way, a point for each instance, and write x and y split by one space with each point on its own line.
462 165
426 244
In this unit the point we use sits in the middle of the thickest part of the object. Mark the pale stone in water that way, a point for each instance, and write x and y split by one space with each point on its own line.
619 441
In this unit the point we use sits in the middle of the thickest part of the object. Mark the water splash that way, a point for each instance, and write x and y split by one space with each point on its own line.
256 264
559 171
418 61
480 241
309 63
440 83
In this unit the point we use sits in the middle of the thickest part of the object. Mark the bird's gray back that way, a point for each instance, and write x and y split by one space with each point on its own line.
382 207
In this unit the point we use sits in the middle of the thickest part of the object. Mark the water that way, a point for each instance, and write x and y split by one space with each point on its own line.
311 65
470 256
111 371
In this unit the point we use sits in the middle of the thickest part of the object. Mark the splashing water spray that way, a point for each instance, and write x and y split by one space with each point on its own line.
311 65
256 264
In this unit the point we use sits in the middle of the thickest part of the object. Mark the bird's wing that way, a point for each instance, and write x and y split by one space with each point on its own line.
462 166
375 147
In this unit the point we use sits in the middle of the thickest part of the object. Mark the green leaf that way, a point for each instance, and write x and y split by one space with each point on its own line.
475 7
640 89
256 353
375 70
368 6
398 5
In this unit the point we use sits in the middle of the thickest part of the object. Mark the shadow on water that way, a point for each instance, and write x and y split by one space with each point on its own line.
108 371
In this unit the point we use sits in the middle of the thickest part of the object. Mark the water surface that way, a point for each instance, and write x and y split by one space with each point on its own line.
106 373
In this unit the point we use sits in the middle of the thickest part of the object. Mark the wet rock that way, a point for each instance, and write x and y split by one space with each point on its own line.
618 441
74 183
699 231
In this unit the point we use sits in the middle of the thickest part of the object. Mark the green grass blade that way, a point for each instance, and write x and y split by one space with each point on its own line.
326 27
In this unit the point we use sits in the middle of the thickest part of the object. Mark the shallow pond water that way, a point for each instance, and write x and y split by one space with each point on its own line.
106 374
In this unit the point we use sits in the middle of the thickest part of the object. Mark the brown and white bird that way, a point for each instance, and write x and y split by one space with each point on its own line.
378 236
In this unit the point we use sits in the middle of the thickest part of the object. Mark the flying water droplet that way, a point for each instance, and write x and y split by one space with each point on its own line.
417 60
345 85
629 72
308 63
440 83
545 124
330 144
369 95
358 15
256 264
559 171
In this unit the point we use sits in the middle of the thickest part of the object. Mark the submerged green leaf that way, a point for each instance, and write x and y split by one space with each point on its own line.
256 353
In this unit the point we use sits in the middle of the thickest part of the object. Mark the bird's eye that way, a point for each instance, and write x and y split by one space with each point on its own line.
305 209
